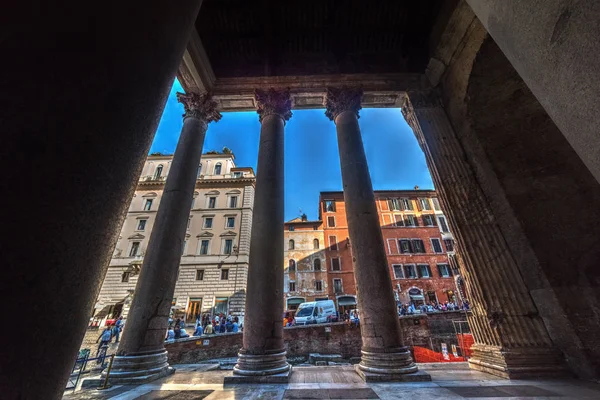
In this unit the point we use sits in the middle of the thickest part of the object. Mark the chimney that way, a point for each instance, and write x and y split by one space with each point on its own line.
416 187
304 218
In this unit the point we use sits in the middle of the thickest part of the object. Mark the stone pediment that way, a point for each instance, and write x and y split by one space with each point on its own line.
228 233
136 236
205 234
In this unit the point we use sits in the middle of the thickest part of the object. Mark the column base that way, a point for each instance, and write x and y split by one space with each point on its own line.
139 369
389 366
259 365
521 363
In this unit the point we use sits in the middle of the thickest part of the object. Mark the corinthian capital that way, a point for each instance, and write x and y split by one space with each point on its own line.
273 102
339 100
200 106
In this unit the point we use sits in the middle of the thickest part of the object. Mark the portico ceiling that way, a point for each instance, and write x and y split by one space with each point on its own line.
307 45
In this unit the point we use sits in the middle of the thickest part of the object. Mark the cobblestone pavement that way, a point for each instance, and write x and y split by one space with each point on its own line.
449 382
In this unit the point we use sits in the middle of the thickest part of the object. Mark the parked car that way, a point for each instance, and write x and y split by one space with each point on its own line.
315 312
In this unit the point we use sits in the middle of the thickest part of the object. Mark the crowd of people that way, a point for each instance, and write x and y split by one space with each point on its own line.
432 307
205 325
111 331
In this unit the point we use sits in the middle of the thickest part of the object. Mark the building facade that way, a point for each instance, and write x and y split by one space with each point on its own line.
214 263
305 272
418 245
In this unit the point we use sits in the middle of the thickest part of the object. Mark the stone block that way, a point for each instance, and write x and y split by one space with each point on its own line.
419 376
277 378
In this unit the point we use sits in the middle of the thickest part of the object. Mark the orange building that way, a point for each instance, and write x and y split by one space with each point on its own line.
419 248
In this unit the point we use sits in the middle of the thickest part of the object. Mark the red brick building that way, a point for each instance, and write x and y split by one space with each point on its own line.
419 247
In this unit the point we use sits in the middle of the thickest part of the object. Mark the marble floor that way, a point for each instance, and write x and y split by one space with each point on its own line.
449 381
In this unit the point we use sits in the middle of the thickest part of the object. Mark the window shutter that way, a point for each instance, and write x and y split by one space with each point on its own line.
424 218
419 205
434 220
429 270
449 271
416 221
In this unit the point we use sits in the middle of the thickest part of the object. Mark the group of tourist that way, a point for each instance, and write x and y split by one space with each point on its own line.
432 307
351 317
205 325
110 331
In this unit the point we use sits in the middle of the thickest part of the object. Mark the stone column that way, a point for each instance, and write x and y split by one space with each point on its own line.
80 102
141 355
510 337
262 357
553 46
384 355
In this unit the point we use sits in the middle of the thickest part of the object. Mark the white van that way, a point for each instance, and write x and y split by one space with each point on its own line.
315 312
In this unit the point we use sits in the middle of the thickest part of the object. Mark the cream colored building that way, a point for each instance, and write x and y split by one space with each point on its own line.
305 272
214 263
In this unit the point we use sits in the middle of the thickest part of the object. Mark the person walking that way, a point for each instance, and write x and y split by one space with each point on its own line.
104 338
119 325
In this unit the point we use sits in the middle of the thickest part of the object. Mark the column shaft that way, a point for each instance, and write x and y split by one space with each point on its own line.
263 348
80 103
383 351
510 337
142 351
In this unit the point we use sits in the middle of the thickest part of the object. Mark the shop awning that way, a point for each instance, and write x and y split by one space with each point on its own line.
417 297
295 302
346 301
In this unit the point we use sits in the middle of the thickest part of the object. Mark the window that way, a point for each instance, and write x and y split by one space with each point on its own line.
411 220
183 248
316 244
428 220
399 220
135 247
142 224
405 246
237 174
193 202
329 205
158 172
292 286
394 204
319 286
199 171
337 286
410 272
212 202
230 222
224 274
208 222
436 204
449 243
199 274
125 277
424 271
333 243
443 224
189 223
418 246
392 247
291 244
335 264
233 202
398 273
228 247
437 246
291 228
444 270
317 264
218 169
221 305
424 204
331 222
406 204
292 265
204 247
148 205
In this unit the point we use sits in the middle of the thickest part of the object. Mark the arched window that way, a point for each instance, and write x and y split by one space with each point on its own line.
291 244
158 172
218 169
316 244
292 265
317 264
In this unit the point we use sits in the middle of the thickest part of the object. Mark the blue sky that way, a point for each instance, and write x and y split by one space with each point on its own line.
312 161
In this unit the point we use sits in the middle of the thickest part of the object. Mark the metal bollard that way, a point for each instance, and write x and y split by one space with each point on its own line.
110 363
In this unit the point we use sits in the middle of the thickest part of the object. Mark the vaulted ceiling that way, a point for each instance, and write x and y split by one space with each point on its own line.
244 38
